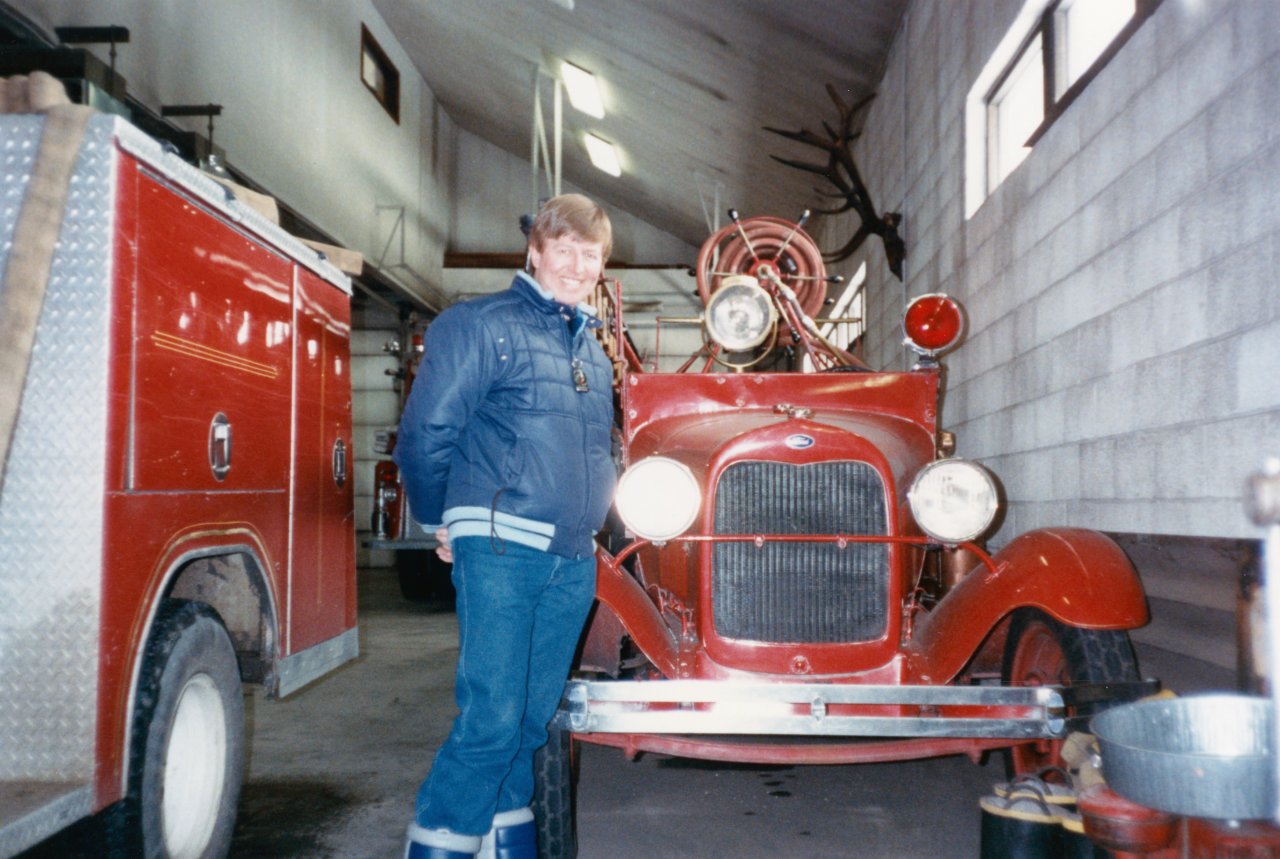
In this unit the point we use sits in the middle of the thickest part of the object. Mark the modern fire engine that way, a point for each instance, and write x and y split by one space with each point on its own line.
802 577
176 511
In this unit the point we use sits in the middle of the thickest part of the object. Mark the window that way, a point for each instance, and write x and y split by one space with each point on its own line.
1083 29
377 73
1014 113
844 324
1048 57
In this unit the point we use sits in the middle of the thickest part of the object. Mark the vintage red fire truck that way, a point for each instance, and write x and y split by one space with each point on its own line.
802 577
176 513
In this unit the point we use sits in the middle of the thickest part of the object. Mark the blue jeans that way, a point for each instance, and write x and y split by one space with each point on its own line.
519 617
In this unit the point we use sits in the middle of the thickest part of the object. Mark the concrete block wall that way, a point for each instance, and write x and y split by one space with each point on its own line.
1121 369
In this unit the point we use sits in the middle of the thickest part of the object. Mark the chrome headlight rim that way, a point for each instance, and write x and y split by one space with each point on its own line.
923 498
732 288
686 491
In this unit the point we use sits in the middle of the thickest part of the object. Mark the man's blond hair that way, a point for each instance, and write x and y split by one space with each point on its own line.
571 214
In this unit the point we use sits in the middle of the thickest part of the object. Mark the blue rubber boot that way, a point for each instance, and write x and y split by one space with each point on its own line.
439 844
513 836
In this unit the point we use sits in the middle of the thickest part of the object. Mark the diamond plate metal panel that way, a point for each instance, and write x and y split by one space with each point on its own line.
51 508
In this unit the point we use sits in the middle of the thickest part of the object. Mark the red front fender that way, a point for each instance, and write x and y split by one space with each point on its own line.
1078 576
641 618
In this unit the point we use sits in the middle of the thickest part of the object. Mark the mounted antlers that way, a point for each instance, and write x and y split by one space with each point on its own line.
842 173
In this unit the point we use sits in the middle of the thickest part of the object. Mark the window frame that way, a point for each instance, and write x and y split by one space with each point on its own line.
389 97
993 101
1047 27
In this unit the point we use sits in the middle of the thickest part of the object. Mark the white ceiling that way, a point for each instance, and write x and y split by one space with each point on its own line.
687 86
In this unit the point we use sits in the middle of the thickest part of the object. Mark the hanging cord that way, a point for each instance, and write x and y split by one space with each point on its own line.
496 543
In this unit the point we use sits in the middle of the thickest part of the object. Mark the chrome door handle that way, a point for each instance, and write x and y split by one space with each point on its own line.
340 462
220 446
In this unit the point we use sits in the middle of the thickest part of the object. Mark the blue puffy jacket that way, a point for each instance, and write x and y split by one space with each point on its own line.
495 440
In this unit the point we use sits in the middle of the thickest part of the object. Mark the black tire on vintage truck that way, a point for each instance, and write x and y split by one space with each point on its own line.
555 772
1041 651
186 753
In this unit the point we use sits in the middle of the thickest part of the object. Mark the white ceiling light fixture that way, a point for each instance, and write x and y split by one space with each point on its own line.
584 92
602 154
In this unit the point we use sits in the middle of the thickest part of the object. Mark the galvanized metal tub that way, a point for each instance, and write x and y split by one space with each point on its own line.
1204 756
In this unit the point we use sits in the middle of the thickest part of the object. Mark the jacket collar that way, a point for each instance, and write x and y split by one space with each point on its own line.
525 284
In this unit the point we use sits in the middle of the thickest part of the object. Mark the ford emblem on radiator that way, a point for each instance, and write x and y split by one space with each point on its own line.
799 441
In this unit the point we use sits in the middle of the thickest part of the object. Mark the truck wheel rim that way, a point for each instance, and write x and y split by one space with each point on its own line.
194 768
1038 661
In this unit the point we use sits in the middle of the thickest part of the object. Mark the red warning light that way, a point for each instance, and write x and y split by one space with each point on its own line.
933 323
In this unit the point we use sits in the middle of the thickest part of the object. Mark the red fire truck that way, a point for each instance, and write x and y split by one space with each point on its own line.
176 512
802 577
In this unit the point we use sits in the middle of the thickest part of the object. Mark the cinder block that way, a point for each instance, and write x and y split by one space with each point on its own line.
363 471
369 372
1257 378
1207 65
377 408
1135 338
1175 27
1181 311
1242 119
1135 464
1254 26
1098 468
1155 253
1067 477
1245 282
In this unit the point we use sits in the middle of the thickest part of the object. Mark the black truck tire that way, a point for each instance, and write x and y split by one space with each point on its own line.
186 755
555 772
1041 651
424 577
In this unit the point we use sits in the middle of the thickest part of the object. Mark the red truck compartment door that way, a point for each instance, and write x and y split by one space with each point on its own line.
213 338
322 593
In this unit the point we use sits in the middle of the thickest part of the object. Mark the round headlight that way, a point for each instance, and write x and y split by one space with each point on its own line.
953 500
658 498
740 314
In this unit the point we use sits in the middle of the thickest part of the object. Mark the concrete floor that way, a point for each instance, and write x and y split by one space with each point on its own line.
333 769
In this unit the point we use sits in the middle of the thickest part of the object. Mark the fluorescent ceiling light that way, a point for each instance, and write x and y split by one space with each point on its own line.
584 93
603 155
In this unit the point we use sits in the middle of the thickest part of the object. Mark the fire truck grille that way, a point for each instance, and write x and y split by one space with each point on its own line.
800 592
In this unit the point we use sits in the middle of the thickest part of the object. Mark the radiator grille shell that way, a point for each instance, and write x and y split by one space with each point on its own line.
790 593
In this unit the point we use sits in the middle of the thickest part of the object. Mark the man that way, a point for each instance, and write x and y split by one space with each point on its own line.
505 450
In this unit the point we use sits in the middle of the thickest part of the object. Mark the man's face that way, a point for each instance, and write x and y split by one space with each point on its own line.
568 266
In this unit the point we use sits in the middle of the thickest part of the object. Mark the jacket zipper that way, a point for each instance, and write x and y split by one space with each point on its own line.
582 428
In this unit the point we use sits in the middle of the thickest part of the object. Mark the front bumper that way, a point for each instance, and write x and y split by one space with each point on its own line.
806 709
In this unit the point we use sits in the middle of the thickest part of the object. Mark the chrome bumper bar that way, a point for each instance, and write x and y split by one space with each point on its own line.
803 709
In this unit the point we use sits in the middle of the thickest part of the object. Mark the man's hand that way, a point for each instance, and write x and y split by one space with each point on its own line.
443 551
